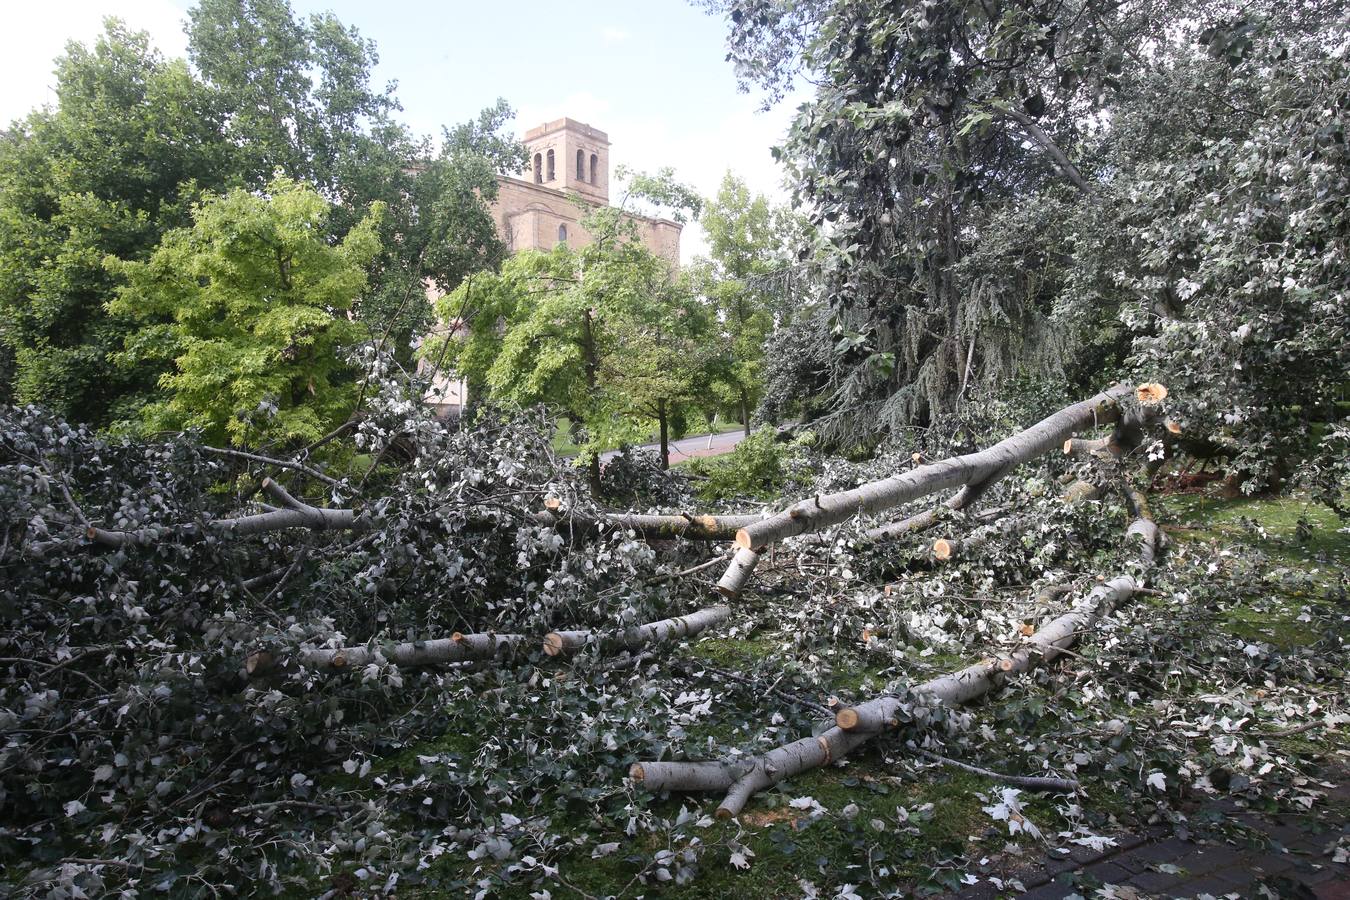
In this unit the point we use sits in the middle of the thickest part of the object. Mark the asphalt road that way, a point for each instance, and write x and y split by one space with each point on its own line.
689 447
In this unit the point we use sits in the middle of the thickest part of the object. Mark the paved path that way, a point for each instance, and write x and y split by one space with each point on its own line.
688 448
1276 856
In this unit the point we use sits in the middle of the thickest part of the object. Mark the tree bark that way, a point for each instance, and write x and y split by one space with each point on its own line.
1038 134
295 514
593 476
971 469
651 527
745 414
563 643
455 649
665 433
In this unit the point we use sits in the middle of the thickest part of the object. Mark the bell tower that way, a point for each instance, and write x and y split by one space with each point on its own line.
568 155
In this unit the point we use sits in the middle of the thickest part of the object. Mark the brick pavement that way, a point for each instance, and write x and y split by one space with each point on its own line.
1275 856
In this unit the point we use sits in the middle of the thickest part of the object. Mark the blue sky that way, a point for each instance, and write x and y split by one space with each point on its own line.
651 73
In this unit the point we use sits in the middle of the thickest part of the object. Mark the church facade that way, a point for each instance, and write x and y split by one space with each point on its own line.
568 165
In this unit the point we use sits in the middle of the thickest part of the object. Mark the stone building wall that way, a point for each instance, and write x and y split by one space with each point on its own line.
534 212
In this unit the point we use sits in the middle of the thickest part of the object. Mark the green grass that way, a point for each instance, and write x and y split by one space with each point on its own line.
1292 532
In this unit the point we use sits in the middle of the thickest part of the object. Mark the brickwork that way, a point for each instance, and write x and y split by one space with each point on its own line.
537 215
1277 856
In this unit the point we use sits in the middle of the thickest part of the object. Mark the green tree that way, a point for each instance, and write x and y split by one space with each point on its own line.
577 329
134 140
109 169
1031 190
445 229
256 301
748 240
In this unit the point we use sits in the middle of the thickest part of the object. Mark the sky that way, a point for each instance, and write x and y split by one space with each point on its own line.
650 73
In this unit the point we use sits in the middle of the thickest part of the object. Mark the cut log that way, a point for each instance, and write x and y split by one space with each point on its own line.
649 527
1150 539
708 776
457 648
1086 446
738 573
295 514
971 469
562 643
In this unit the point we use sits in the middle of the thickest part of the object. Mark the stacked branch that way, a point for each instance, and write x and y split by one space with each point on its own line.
288 513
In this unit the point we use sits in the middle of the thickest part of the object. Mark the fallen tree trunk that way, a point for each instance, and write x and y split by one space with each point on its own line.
457 648
738 573
562 643
651 527
971 469
461 648
930 517
292 514
855 725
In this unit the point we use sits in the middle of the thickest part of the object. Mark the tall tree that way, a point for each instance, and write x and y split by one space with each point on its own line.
748 240
256 301
444 227
568 328
1050 189
109 169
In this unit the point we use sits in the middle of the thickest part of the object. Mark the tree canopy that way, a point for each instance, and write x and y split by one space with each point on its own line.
249 308
1049 190
134 140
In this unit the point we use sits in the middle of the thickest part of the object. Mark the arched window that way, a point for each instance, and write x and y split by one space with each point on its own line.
562 234
581 165
551 170
595 165
538 169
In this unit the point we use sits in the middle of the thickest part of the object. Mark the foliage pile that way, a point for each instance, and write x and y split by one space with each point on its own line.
130 731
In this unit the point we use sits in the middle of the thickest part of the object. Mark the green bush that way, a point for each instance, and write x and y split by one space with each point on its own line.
759 467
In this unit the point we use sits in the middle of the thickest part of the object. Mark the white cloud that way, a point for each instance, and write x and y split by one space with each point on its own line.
614 35
36 33
700 153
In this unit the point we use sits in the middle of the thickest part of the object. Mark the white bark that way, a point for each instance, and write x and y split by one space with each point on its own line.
653 527
561 643
738 573
295 514
457 648
971 469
